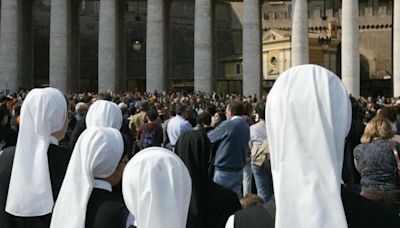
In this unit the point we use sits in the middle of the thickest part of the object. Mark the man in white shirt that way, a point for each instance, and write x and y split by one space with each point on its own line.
178 124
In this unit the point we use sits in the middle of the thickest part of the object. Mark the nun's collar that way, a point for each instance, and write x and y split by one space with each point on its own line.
102 184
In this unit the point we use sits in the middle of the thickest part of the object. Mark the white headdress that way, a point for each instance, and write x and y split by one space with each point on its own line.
104 114
42 113
96 155
308 115
156 186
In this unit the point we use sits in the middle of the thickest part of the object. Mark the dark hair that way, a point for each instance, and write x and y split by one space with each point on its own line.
260 110
4 113
236 108
211 109
222 116
204 118
143 106
152 114
181 108
247 108
171 109
388 113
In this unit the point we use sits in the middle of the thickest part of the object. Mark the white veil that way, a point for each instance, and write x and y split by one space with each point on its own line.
96 155
104 114
156 186
43 112
308 116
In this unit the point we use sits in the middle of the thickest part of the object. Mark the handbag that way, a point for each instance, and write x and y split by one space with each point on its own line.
260 156
396 157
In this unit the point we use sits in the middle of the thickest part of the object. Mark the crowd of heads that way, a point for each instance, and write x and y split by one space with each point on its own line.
283 115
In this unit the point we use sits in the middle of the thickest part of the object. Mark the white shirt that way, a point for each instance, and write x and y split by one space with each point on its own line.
236 117
176 126
258 133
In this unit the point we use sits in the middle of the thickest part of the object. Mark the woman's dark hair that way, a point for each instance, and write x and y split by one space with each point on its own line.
389 113
204 118
260 110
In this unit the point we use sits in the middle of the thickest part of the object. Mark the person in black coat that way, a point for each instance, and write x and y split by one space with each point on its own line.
8 137
360 213
211 204
31 173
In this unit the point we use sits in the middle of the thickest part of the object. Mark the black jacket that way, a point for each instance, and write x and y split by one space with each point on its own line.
58 158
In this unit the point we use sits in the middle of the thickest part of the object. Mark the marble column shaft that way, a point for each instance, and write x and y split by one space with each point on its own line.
203 46
252 56
11 45
156 45
300 46
350 47
64 45
111 60
27 46
327 61
396 49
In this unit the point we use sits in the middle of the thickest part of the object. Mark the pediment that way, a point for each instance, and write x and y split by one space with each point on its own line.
273 35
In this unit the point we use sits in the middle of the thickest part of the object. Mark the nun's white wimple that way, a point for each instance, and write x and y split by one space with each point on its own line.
96 155
104 114
156 186
308 113
42 113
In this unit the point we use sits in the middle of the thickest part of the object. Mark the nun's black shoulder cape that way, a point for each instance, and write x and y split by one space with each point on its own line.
58 158
210 204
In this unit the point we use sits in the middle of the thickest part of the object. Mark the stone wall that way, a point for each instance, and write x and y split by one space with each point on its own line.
181 35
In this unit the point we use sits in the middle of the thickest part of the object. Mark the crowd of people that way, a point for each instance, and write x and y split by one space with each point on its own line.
307 156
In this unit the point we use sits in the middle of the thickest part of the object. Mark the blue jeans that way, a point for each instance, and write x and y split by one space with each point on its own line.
263 180
247 179
230 179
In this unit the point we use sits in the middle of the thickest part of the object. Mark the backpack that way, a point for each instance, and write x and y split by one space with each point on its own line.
149 138
260 156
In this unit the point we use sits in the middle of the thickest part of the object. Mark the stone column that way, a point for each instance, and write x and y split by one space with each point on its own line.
327 60
64 45
252 60
110 58
333 63
281 61
300 47
155 45
11 45
121 56
26 52
350 48
396 49
203 46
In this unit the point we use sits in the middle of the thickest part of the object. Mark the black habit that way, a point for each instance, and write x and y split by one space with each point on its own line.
105 209
360 213
58 158
210 204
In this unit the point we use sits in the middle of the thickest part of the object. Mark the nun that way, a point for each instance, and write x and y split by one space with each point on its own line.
210 204
308 113
86 198
156 187
31 173
101 113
